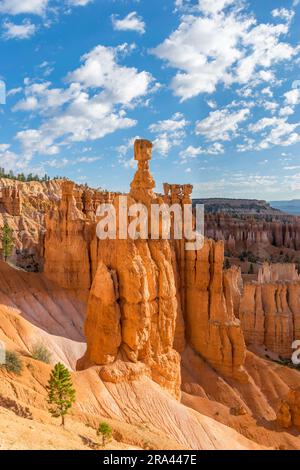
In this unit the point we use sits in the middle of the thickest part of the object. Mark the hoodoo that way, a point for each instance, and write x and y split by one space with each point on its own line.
150 296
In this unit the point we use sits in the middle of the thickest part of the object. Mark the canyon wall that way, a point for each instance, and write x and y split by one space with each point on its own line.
66 245
270 315
241 232
277 272
11 200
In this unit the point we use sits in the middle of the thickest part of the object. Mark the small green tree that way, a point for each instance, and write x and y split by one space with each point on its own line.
251 270
7 241
105 431
61 394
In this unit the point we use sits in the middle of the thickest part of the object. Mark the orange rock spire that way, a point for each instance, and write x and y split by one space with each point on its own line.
143 183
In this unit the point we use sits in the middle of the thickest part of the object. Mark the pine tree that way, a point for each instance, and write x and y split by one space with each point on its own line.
105 431
61 394
7 241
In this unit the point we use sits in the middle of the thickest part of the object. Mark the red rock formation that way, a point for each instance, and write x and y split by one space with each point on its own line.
270 315
242 232
278 272
133 303
11 200
233 283
212 329
147 292
288 413
66 245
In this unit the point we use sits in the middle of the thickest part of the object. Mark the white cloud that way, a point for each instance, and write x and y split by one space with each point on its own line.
212 7
128 164
286 111
292 97
120 84
4 147
15 7
281 132
283 14
175 124
131 22
267 91
41 98
79 3
14 91
170 133
57 163
221 124
254 186
88 159
270 106
212 104
10 160
221 47
192 152
18 31
248 144
34 7
267 50
90 108
291 168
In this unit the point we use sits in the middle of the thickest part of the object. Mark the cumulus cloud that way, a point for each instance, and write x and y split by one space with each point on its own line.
16 7
192 152
34 7
221 124
120 84
40 97
283 14
169 133
92 106
210 7
10 160
131 22
18 31
292 97
174 125
279 132
221 46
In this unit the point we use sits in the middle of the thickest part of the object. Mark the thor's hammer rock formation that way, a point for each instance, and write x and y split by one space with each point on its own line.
151 297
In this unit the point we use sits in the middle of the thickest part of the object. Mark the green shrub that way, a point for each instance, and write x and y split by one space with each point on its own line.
13 362
41 353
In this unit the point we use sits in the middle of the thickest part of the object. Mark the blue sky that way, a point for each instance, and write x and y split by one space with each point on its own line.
214 84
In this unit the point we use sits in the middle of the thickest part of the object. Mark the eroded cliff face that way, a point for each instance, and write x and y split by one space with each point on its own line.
66 245
288 413
213 331
277 272
23 207
240 233
270 315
